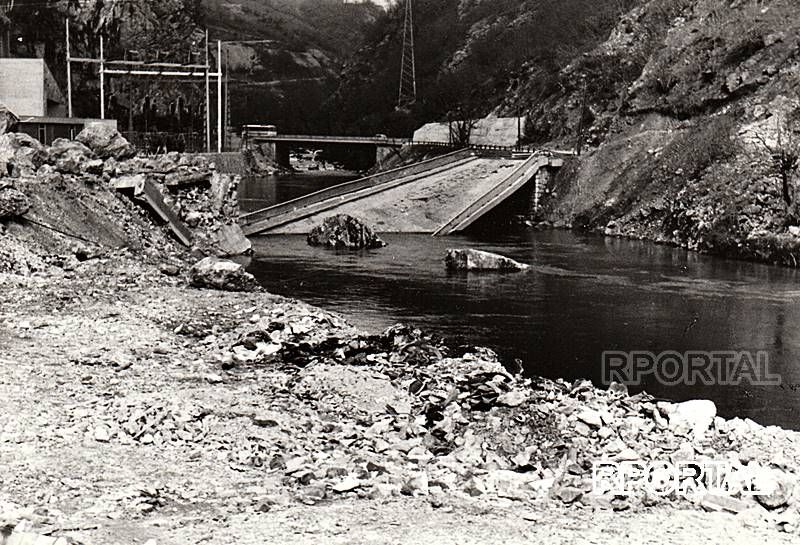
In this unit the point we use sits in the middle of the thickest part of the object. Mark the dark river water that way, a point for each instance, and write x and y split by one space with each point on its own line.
260 191
584 295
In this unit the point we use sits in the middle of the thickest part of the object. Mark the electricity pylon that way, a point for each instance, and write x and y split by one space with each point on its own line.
408 68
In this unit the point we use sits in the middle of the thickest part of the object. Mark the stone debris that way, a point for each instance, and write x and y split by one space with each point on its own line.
8 121
303 408
221 274
205 200
343 231
20 154
102 161
13 202
478 260
104 140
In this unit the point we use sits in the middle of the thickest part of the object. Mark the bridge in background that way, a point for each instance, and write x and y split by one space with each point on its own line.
361 151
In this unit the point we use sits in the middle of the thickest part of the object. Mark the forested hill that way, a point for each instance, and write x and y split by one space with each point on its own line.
286 55
470 55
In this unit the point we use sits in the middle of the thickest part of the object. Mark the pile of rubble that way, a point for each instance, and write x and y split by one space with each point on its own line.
404 413
155 423
204 200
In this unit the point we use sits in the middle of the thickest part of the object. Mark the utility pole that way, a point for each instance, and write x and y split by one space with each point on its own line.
227 101
69 72
219 96
208 102
102 81
408 67
579 143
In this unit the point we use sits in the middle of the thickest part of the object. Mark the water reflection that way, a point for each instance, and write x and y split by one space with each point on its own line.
261 191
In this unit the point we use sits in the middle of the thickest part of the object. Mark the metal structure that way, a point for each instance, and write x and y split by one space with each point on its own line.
153 69
5 30
408 67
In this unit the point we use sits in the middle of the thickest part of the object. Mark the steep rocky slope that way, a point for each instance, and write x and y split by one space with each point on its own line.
685 105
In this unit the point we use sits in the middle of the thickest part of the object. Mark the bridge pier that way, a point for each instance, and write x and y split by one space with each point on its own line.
277 152
541 181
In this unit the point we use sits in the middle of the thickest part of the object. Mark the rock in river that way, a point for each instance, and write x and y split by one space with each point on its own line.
222 274
477 260
343 231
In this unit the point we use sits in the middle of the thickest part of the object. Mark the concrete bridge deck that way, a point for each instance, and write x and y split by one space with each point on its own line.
421 205
274 217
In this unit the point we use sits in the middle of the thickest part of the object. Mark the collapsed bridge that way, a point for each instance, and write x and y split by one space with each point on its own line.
441 196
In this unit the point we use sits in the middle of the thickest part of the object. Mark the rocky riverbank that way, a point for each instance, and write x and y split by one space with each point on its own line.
131 399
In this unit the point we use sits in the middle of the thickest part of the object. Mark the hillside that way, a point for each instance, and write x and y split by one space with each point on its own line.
287 55
687 107
686 104
469 53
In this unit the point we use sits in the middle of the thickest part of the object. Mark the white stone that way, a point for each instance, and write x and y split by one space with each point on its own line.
695 416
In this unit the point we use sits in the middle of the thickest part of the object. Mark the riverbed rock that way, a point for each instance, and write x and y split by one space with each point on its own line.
231 241
478 260
13 203
221 274
343 231
106 141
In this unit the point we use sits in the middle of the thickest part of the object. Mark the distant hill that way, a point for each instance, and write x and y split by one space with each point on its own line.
286 55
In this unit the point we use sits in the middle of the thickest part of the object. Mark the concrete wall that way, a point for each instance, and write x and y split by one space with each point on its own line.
22 86
490 131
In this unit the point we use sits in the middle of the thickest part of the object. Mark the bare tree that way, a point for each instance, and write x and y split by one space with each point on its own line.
785 156
461 126
459 96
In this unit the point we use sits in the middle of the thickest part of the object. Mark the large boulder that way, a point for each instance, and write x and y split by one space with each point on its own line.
343 231
13 202
230 240
106 141
8 121
20 154
221 274
478 260
72 157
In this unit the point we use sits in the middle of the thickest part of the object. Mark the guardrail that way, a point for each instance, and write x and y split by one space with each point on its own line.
353 186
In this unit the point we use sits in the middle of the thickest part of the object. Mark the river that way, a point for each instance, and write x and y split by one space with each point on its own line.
584 295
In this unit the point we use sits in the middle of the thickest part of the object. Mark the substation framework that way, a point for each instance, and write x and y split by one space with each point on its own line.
108 67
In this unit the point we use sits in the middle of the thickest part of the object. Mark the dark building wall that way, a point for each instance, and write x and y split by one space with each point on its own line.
47 132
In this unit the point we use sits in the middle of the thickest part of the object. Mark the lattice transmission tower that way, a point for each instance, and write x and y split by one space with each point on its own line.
408 67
